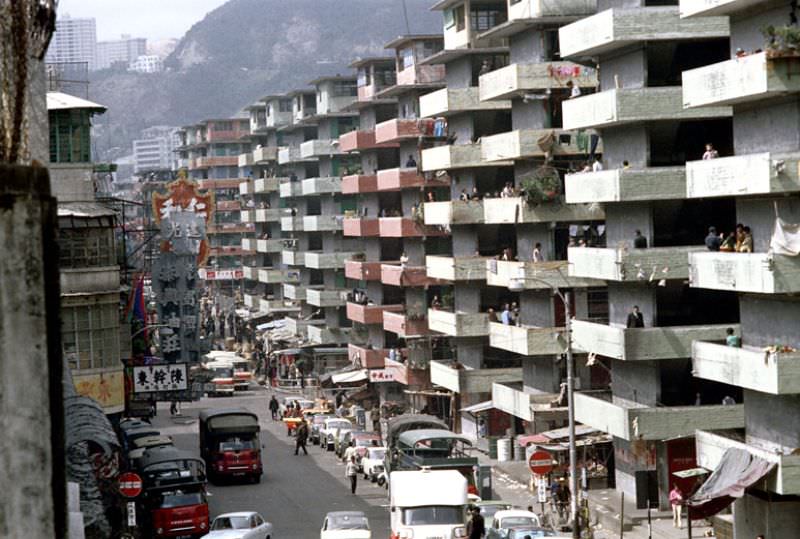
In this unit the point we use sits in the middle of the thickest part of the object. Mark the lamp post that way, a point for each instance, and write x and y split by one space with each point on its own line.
517 284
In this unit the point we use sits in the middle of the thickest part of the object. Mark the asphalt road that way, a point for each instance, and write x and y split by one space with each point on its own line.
295 492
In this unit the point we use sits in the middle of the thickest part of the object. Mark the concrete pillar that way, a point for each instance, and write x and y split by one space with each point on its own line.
35 502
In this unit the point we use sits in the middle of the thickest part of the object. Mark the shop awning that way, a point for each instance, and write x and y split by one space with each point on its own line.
736 471
350 377
478 408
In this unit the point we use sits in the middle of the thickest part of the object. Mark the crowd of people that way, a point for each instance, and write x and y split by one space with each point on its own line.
739 241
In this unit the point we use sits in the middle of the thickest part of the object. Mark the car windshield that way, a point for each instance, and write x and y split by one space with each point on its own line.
378 453
510 522
433 515
221 372
179 498
532 532
319 419
231 523
338 425
490 510
347 522
366 442
236 444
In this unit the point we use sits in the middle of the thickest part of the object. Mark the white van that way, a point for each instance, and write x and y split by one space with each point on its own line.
428 503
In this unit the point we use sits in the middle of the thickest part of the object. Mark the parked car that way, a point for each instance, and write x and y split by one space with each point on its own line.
372 462
534 532
317 422
241 525
338 439
345 525
507 519
327 432
489 508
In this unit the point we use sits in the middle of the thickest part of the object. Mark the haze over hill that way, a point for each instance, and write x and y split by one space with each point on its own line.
244 50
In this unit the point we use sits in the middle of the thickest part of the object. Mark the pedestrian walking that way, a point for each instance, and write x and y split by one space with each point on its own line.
273 408
676 501
301 438
351 471
173 408
476 527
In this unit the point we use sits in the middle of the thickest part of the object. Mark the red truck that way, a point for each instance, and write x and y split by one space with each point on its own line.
230 444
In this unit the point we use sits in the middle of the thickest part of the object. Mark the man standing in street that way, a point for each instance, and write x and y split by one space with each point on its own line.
273 408
351 471
476 527
302 437
635 318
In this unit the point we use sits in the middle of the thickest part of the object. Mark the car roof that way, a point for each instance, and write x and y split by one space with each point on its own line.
237 514
492 502
215 412
345 514
514 513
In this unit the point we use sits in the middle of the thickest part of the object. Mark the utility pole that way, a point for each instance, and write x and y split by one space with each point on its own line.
573 456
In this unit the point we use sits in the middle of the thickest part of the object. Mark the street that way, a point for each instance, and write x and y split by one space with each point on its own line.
295 493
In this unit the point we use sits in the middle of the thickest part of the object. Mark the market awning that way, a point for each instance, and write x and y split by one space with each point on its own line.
350 377
477 408
737 470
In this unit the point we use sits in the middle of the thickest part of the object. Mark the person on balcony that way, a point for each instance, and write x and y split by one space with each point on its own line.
635 318
411 162
746 245
639 241
731 339
713 243
710 152
538 256
505 316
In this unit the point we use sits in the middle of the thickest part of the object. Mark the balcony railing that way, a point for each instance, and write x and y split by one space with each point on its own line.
296 292
454 212
643 344
535 275
292 224
322 186
457 100
451 156
277 306
406 374
269 246
511 398
290 189
402 227
292 257
516 210
397 275
359 183
760 273
458 324
362 271
318 260
626 185
759 369
705 8
626 264
319 148
246 188
395 179
265 154
467 380
742 175
322 223
267 185
461 268
269 216
527 340
525 10
361 140
369 314
524 144
245 159
396 130
326 297
405 325
516 79
360 226
362 357
327 335
277 276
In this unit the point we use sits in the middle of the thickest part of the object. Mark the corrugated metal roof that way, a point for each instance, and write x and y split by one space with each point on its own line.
62 101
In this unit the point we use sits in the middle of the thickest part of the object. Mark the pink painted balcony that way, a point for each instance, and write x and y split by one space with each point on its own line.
396 130
359 183
360 227
400 324
361 140
421 74
396 275
393 179
404 374
366 358
362 271
403 227
369 314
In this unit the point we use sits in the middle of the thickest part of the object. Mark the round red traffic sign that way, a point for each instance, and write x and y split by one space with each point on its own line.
540 462
130 484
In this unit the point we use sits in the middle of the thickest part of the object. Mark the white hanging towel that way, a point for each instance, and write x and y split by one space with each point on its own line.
785 238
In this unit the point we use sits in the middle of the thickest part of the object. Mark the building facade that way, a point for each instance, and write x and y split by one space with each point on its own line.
75 40
156 149
124 51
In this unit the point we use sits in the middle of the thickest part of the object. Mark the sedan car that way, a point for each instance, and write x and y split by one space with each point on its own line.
489 507
328 430
534 532
317 421
345 525
505 520
241 525
372 462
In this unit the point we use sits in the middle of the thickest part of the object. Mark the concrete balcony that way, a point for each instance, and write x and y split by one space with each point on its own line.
245 159
319 260
311 149
249 244
749 367
517 79
632 421
626 185
362 357
396 130
370 314
748 79
616 28
517 210
265 154
395 179
292 257
527 340
326 297
291 189
268 246
292 224
327 335
460 268
404 325
402 227
527 11
458 324
523 144
247 216
634 105
217 161
277 306
449 101
322 223
230 228
406 374
250 272
712 444
269 215
291 154
759 273
629 265
322 186
225 183
468 380
361 140
277 276
396 275
300 327
534 275
360 227
362 271
742 175
456 156
296 292
359 183
643 344
454 212
511 398
246 188
705 8
267 185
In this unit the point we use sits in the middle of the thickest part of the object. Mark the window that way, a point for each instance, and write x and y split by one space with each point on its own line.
70 136
483 19
344 88
90 335
407 55
449 18
459 14
285 105
364 76
86 247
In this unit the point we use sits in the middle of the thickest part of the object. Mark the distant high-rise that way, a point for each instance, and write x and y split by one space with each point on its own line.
75 40
120 51
155 150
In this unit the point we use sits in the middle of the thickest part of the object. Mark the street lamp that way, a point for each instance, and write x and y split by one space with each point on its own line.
517 284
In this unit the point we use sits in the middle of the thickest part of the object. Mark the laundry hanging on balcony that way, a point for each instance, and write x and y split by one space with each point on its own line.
785 238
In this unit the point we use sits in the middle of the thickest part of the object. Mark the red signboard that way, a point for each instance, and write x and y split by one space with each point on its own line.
130 485
540 462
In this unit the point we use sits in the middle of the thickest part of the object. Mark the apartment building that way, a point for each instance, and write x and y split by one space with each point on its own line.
156 149
757 174
123 51
75 40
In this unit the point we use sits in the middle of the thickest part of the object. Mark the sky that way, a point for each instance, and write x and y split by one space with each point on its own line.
153 19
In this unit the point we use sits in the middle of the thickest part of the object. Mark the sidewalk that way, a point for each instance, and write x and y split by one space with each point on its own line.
511 483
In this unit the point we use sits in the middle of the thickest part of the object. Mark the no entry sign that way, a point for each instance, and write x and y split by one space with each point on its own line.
130 485
540 462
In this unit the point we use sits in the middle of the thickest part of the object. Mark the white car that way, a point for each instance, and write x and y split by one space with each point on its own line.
329 429
241 525
372 462
503 521
345 525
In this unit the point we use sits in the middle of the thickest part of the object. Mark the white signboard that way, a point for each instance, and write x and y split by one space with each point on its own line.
541 490
155 378
381 375
131 514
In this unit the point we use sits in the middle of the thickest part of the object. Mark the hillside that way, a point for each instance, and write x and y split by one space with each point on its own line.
243 50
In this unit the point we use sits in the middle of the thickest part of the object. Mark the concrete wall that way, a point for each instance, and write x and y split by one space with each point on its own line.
527 48
759 215
459 72
768 128
541 374
772 419
638 381
768 320
627 143
746 31
774 519
628 68
622 298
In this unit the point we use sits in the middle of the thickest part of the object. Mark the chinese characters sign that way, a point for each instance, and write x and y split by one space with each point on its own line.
157 378
381 375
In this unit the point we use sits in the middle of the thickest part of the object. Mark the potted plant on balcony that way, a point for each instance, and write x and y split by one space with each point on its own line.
541 185
781 41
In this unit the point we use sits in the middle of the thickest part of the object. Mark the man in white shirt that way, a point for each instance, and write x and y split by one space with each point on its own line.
537 253
597 166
